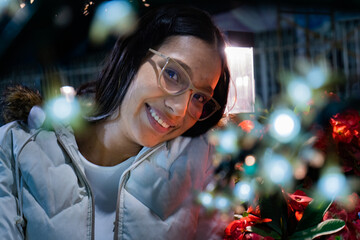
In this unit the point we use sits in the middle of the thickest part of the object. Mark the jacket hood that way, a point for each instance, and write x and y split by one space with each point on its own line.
17 101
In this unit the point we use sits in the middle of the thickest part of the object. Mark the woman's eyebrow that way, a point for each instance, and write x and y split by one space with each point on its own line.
207 89
185 66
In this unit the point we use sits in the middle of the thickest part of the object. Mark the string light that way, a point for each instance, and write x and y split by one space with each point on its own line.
285 125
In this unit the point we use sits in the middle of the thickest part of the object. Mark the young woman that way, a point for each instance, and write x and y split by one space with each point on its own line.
133 172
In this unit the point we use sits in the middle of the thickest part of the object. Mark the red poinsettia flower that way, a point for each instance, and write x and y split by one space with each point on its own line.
297 202
349 212
236 230
346 125
246 125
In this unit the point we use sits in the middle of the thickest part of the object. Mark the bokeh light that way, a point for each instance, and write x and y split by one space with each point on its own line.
285 125
206 199
300 171
68 92
250 166
313 157
64 108
316 77
3 5
228 141
277 168
299 92
112 17
243 191
222 203
332 183
250 160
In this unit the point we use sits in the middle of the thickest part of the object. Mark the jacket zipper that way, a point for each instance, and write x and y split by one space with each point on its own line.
87 185
124 177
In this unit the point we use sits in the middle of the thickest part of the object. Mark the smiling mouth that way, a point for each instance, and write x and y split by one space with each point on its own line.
158 119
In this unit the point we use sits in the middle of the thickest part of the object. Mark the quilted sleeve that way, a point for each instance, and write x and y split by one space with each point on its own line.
8 201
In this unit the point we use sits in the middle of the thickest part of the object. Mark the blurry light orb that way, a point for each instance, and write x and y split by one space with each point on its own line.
242 191
62 108
112 12
316 77
300 171
4 4
285 125
228 141
250 160
112 17
314 157
205 199
222 203
332 184
299 92
67 90
278 169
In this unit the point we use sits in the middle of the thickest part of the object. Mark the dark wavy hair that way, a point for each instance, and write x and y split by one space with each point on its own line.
130 52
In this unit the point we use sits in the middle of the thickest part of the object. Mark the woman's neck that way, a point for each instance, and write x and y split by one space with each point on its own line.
104 144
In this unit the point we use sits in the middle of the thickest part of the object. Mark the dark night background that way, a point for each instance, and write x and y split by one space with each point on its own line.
52 40
39 40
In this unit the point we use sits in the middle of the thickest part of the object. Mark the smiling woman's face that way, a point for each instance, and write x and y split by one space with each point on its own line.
148 115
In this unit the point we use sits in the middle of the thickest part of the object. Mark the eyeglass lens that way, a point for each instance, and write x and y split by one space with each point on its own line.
175 80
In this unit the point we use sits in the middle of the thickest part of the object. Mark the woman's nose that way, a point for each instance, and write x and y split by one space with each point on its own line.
178 104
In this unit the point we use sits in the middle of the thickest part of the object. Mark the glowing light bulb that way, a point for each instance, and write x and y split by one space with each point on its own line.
285 125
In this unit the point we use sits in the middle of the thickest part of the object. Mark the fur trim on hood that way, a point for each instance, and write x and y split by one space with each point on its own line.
17 102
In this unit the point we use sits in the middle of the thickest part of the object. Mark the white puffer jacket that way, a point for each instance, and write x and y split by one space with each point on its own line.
44 193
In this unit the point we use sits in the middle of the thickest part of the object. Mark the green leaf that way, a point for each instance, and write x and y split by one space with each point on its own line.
324 228
264 231
273 206
313 213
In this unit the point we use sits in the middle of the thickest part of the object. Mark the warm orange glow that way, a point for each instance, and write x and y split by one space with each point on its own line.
250 160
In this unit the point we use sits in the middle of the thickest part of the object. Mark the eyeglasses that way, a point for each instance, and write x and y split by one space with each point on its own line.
174 80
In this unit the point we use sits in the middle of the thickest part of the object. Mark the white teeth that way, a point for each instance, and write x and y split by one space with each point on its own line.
158 119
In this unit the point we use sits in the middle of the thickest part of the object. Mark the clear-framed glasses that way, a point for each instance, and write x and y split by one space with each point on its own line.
174 80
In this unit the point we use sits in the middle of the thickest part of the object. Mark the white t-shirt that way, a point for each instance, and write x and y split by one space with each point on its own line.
104 182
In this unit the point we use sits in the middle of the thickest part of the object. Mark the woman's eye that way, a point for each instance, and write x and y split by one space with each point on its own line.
200 98
171 74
